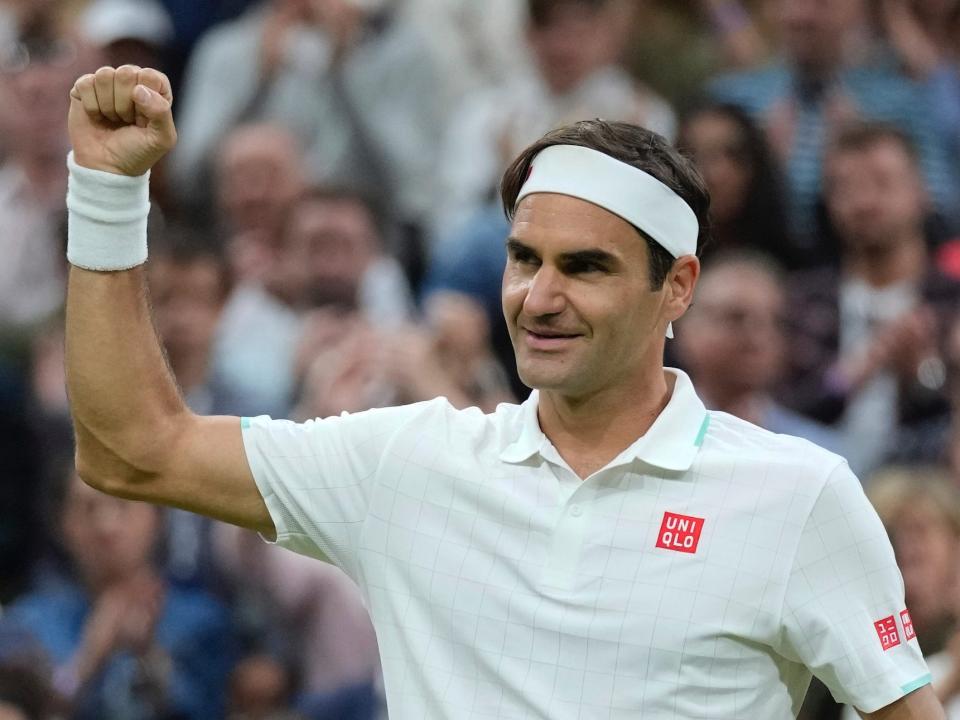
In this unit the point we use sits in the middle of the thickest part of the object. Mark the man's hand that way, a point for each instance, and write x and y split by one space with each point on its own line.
120 119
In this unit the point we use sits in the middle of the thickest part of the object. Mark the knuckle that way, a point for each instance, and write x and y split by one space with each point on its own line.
105 71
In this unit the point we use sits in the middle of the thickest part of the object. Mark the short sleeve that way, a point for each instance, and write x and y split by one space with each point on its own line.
844 615
317 477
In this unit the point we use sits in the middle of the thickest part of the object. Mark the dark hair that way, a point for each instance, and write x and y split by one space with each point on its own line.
858 136
762 222
633 145
541 12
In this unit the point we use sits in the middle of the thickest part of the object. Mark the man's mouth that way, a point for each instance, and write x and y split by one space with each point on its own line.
547 339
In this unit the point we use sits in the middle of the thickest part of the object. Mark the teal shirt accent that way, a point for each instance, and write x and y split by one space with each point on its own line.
703 430
916 684
244 423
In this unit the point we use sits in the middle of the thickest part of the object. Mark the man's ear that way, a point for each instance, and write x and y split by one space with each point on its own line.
679 286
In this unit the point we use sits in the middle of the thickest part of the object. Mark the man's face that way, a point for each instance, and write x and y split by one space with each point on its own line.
732 338
575 42
329 246
108 538
259 177
577 297
874 195
814 32
36 94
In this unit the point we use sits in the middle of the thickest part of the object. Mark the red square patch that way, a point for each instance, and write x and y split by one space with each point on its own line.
679 532
908 631
887 632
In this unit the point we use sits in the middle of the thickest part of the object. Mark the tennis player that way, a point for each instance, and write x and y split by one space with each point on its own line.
607 549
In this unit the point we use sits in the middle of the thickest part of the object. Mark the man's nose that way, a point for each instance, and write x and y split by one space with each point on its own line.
545 294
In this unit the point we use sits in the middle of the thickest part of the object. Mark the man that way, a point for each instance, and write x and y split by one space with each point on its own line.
123 642
330 256
607 548
733 344
820 81
352 79
869 336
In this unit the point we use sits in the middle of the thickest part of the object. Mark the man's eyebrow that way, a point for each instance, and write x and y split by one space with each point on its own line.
592 255
515 245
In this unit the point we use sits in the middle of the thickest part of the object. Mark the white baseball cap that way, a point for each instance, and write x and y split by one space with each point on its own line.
107 21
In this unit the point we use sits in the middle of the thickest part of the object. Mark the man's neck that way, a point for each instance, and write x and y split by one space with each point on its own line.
904 261
590 432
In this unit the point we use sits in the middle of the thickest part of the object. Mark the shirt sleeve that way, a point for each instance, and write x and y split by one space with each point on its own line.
844 615
317 477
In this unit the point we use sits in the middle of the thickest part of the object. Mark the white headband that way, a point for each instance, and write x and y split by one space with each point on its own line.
636 196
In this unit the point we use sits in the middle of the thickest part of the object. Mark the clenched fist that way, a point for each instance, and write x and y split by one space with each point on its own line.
120 119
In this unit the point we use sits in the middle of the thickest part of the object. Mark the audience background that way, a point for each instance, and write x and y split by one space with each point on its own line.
326 238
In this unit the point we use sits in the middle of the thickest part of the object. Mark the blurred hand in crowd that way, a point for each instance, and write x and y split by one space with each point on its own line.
282 17
913 28
900 347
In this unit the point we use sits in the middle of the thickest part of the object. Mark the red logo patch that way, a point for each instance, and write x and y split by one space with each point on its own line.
887 632
679 532
908 632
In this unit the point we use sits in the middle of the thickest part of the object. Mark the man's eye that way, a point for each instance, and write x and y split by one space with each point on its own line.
581 267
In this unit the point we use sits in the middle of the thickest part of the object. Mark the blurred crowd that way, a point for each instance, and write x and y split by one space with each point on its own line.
326 237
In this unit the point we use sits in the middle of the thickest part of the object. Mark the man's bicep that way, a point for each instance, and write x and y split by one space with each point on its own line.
210 475
921 704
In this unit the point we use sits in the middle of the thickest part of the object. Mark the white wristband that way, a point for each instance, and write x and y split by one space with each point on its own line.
107 219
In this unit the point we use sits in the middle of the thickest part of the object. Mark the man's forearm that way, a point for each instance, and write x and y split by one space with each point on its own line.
123 397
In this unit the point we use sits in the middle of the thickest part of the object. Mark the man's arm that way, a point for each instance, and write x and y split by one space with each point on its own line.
135 436
921 704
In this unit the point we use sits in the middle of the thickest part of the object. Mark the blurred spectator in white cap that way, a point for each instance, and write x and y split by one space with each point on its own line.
577 46
133 32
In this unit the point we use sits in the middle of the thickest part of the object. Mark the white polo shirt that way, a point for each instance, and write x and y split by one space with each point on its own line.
703 573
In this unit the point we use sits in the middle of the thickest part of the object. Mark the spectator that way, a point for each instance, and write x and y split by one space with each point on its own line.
259 175
479 44
36 74
124 643
733 343
331 256
818 83
576 45
868 336
355 84
746 202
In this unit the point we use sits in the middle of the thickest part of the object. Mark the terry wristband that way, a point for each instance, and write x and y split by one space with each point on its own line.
107 218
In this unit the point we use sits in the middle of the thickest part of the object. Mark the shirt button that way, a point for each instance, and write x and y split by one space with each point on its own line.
576 511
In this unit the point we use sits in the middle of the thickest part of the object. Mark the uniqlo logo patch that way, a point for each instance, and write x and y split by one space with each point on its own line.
679 532
887 632
908 632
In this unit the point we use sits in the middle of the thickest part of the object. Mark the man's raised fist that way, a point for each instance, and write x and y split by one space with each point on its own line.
120 119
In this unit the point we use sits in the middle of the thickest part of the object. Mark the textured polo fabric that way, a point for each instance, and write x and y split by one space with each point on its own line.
705 572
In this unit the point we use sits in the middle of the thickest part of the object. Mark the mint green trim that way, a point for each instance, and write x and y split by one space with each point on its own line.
918 683
703 430
244 423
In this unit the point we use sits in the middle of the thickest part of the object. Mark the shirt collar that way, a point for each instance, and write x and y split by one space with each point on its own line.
671 443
